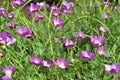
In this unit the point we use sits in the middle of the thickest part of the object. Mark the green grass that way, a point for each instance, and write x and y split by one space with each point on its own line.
43 44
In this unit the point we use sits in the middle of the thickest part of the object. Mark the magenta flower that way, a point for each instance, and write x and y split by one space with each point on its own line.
6 78
113 69
103 30
48 63
69 44
98 41
57 21
118 78
8 71
87 55
10 15
80 35
68 12
2 11
12 25
67 5
36 61
11 41
39 17
33 8
6 34
62 63
42 5
18 3
101 51
95 6
106 15
7 39
2 39
25 32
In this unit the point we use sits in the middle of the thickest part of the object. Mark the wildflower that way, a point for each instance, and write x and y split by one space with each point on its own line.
62 63
2 39
2 11
11 41
101 51
87 55
95 6
8 71
97 41
25 32
80 35
6 78
113 69
103 30
36 61
106 15
69 44
6 34
18 3
67 5
68 12
48 63
10 15
12 25
57 21
118 78
39 17
33 8
42 5
8 39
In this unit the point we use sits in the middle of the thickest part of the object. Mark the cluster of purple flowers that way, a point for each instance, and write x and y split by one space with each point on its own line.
61 63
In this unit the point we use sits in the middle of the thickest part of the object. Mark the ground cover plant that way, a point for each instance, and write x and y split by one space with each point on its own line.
66 40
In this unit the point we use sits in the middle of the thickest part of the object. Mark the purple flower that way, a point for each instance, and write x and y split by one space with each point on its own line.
80 35
2 11
113 69
62 63
11 41
12 25
57 21
6 34
42 5
69 44
107 4
36 61
101 51
33 7
56 12
18 3
118 78
98 41
106 15
6 78
10 15
87 55
68 12
67 5
103 30
8 71
39 17
25 32
2 39
48 63
95 6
